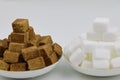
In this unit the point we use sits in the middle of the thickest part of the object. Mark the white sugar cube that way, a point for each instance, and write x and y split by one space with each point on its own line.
93 36
89 46
83 36
77 57
100 25
117 48
86 64
76 43
106 45
114 30
88 57
101 53
101 64
115 62
110 37
68 50
72 46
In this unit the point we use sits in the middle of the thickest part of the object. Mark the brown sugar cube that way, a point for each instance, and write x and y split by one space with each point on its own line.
19 37
37 37
34 42
1 58
18 67
31 33
57 49
11 57
9 37
16 47
30 44
21 59
4 65
45 50
51 59
3 46
4 43
46 40
30 53
36 63
20 25
2 51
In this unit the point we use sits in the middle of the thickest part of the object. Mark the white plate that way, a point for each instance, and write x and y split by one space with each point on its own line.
94 72
28 74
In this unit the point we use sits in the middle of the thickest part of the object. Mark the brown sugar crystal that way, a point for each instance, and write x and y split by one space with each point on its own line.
57 49
16 47
19 37
46 40
20 25
11 57
45 50
31 33
30 53
18 67
3 65
36 63
51 59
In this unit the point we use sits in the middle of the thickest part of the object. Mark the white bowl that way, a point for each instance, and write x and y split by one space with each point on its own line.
94 72
28 74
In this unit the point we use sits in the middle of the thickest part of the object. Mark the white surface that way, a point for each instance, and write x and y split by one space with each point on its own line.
64 20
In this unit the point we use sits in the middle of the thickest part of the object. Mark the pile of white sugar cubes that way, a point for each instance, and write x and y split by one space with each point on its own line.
97 49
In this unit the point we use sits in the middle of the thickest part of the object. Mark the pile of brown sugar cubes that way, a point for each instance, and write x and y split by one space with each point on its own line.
24 50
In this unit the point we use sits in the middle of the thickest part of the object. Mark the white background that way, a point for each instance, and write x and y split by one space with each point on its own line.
64 20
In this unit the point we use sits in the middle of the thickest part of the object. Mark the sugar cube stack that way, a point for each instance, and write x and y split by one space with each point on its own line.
25 50
98 49
101 31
